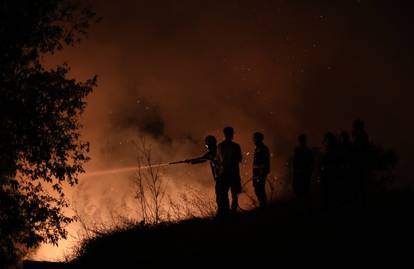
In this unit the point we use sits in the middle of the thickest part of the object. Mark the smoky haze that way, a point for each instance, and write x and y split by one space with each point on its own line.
176 71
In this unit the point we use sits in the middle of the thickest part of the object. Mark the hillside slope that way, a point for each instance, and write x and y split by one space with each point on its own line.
283 234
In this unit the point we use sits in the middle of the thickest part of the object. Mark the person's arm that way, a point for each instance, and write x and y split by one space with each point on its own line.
201 159
239 153
267 160
311 160
219 154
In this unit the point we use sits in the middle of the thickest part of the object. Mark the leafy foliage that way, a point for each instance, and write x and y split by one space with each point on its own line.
40 145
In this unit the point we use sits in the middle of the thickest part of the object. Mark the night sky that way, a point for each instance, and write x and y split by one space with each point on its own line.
177 71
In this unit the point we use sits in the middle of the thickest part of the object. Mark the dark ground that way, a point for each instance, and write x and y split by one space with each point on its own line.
283 234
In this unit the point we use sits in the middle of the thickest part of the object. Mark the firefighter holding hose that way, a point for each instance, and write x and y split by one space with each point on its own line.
217 170
210 156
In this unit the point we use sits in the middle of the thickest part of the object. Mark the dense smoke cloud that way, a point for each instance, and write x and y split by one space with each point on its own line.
141 116
175 71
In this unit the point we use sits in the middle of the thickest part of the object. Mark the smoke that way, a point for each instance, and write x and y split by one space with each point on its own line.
176 71
139 115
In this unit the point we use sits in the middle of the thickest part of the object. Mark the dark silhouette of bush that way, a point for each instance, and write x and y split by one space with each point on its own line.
40 146
284 233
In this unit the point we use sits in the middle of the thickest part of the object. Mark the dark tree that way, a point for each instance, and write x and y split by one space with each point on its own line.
40 146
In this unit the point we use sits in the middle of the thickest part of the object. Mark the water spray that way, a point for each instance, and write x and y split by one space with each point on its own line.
130 169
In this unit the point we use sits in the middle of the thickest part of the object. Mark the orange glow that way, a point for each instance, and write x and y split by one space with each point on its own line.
177 74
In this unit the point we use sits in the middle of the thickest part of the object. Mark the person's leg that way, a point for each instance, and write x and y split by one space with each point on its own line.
235 188
259 189
218 198
262 191
305 196
306 183
259 184
234 201
295 185
256 188
222 198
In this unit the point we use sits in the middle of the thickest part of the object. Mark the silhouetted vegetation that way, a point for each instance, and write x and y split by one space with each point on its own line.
281 234
285 232
150 186
41 149
40 146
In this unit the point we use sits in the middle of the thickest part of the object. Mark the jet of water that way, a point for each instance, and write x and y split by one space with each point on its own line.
126 169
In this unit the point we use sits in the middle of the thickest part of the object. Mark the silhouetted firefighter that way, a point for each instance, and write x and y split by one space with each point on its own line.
303 163
329 168
345 167
229 156
261 168
211 157
360 161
